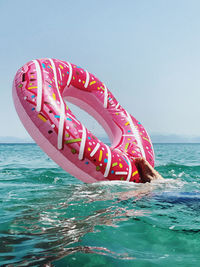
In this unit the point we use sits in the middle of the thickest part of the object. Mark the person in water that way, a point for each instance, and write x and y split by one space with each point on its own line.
147 174
146 171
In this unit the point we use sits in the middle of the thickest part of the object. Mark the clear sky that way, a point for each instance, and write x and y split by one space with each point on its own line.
146 52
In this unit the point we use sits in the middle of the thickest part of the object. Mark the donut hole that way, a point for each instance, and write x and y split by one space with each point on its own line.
90 123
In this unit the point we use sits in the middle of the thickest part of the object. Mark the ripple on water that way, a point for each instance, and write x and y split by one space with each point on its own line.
48 217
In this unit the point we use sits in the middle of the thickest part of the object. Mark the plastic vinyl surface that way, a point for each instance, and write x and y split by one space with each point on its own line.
41 89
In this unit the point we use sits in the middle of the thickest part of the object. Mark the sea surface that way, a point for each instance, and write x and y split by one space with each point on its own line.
49 218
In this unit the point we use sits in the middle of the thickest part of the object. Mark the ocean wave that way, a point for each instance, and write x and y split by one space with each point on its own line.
175 165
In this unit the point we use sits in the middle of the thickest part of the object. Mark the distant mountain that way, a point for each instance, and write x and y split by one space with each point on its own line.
165 138
174 138
156 138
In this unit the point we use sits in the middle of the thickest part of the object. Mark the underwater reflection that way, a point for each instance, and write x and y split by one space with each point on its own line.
65 216
52 231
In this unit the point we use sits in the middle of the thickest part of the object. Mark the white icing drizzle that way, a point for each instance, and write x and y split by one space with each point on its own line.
118 150
108 163
105 104
117 106
136 134
95 150
87 79
39 86
121 173
129 164
69 115
62 112
63 63
70 74
82 146
60 74
129 168
46 72
150 154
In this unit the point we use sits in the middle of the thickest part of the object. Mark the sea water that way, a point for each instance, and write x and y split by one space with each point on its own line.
49 218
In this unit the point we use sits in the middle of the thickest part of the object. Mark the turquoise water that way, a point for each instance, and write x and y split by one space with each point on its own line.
49 217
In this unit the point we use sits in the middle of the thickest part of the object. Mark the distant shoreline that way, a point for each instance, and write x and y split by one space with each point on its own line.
155 138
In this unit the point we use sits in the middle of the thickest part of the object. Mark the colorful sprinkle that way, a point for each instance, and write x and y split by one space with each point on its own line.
73 150
126 146
134 173
54 96
42 117
146 139
72 141
114 164
93 82
100 155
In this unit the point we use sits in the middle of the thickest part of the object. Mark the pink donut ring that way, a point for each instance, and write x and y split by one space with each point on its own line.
39 90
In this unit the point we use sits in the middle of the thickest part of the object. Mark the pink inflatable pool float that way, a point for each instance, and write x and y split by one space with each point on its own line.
40 89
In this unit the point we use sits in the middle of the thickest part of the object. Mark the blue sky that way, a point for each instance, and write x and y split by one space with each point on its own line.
146 52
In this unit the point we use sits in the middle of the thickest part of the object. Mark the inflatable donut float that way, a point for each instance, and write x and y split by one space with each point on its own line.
40 89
